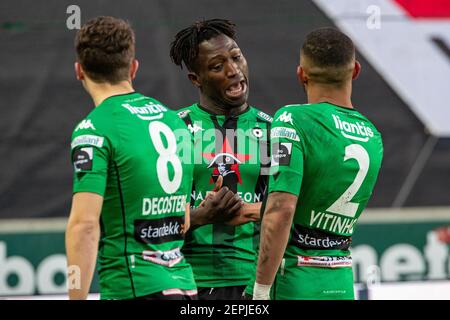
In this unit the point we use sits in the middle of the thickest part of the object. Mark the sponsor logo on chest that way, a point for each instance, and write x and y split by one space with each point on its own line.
149 111
159 230
249 197
353 130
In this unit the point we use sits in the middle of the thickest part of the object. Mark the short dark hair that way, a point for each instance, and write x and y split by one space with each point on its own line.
184 48
105 49
330 54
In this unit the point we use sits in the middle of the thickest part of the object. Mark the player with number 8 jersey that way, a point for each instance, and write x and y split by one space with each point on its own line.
126 150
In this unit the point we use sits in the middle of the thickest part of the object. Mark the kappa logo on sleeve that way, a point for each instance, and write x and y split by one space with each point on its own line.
85 124
281 153
285 117
82 159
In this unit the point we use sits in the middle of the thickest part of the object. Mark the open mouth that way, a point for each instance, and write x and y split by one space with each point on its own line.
236 90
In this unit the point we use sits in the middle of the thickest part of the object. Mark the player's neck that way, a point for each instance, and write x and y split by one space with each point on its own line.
217 109
324 93
100 91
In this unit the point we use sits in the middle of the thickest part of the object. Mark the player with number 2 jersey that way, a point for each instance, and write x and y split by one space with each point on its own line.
325 161
330 197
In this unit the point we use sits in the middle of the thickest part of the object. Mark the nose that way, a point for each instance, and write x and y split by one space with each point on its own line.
232 69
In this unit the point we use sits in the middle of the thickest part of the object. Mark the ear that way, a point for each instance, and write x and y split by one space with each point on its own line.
79 73
134 68
302 76
356 70
194 78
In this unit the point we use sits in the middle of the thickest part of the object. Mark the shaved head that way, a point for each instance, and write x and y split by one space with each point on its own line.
328 56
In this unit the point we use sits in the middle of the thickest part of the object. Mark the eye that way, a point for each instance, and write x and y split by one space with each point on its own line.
237 57
216 67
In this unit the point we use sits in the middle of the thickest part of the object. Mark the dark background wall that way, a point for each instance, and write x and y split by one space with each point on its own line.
41 101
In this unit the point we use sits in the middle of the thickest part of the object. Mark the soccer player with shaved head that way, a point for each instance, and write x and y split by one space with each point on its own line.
325 161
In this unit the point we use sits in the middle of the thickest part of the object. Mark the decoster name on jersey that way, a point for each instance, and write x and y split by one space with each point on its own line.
163 205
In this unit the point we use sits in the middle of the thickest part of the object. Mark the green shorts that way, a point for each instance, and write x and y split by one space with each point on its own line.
294 282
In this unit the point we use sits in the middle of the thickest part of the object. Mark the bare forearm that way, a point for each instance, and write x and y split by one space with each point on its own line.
81 247
252 210
274 238
276 226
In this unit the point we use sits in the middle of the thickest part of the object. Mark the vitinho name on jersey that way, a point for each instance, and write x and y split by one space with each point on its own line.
163 205
331 222
349 129
152 109
249 197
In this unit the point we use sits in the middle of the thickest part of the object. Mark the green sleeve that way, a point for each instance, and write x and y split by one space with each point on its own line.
90 154
287 154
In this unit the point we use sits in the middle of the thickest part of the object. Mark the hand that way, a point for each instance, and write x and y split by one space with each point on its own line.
219 205
249 212
212 193
187 219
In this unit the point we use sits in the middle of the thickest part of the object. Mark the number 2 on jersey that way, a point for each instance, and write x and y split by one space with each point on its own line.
343 205
166 156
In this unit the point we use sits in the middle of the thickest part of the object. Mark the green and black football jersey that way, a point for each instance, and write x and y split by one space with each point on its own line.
237 148
127 151
329 156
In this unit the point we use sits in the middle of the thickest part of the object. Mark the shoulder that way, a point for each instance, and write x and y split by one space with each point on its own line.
261 115
95 121
184 112
298 112
92 130
173 119
285 113
293 109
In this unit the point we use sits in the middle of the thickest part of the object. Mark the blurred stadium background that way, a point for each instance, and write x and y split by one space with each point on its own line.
401 245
